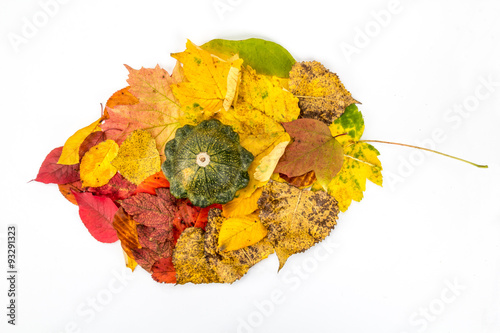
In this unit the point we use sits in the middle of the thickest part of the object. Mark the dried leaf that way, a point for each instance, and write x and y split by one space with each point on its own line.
156 211
96 168
295 219
302 181
53 173
138 158
189 258
97 214
241 231
321 94
126 231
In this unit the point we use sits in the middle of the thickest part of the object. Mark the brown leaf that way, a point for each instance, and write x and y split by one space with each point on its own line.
126 230
295 219
302 181
321 94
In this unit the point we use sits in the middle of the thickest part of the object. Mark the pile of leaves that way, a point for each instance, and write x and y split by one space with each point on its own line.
296 118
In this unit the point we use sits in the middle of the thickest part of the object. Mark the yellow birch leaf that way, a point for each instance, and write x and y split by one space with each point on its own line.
96 169
138 158
70 154
241 231
266 94
242 206
210 78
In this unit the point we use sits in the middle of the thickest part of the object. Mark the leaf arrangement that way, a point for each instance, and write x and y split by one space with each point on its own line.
239 153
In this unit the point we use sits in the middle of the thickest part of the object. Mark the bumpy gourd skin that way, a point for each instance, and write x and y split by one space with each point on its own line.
206 163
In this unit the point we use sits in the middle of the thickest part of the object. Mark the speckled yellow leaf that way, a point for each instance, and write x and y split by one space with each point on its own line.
190 262
70 153
321 94
241 231
267 94
242 206
211 81
360 160
138 158
295 219
96 168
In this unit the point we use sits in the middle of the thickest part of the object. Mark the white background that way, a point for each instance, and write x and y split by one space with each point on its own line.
436 224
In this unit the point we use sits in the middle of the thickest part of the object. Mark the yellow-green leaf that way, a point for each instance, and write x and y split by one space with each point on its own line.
138 158
96 169
241 231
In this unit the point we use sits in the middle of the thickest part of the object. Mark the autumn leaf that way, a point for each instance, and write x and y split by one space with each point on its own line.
96 168
295 219
156 211
231 265
71 150
321 94
121 97
68 189
150 184
211 81
302 181
157 111
118 188
189 215
241 231
314 148
189 259
97 214
93 139
242 206
265 93
137 158
53 173
126 231
264 56
164 271
360 160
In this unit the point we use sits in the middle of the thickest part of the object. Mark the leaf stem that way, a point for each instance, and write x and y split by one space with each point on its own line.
426 149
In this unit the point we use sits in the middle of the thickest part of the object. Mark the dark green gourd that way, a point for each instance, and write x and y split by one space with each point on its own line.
206 163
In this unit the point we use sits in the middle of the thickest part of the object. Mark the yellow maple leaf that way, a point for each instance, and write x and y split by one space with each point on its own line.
70 153
96 169
138 158
211 81
267 94
240 231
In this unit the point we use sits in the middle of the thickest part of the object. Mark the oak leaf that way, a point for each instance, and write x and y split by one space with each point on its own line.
137 158
313 149
97 214
321 94
96 168
241 231
71 150
53 173
211 81
295 219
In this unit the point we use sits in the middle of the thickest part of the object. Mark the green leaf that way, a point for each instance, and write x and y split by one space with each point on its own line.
264 56
351 123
